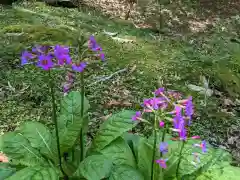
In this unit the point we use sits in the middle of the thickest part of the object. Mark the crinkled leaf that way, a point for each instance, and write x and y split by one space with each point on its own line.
119 152
95 167
145 152
17 147
125 172
39 137
70 120
35 173
112 128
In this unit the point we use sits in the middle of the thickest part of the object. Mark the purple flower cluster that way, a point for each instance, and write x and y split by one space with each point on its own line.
54 56
92 44
48 57
154 103
181 116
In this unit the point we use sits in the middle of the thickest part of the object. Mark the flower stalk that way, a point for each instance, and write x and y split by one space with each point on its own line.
154 146
161 153
180 158
54 118
81 138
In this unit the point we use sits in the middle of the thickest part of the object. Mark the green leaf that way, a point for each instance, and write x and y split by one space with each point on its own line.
70 121
145 153
71 109
112 128
35 173
119 152
221 173
95 167
125 172
133 141
39 137
6 170
18 148
207 160
69 135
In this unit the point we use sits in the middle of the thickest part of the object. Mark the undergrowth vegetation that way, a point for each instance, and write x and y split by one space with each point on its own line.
33 151
210 61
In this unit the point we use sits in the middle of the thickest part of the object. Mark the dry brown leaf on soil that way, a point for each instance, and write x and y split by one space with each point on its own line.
115 103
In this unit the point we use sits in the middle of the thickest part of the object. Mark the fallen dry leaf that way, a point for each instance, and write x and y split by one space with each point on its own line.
114 103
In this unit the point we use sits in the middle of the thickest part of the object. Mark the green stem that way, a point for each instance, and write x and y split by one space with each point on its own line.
154 147
81 115
54 118
161 154
180 158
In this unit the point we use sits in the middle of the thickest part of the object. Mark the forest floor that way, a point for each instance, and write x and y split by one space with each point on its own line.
138 61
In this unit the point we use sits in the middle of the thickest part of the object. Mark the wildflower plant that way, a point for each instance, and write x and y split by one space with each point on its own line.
35 152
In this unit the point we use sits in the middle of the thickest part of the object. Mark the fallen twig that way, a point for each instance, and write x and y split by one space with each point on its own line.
108 77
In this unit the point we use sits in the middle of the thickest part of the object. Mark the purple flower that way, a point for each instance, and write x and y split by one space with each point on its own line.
182 130
178 116
189 109
203 146
59 50
45 62
64 59
159 91
162 163
146 102
25 58
62 55
136 116
67 87
195 137
161 123
155 103
79 67
102 56
163 147
93 44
